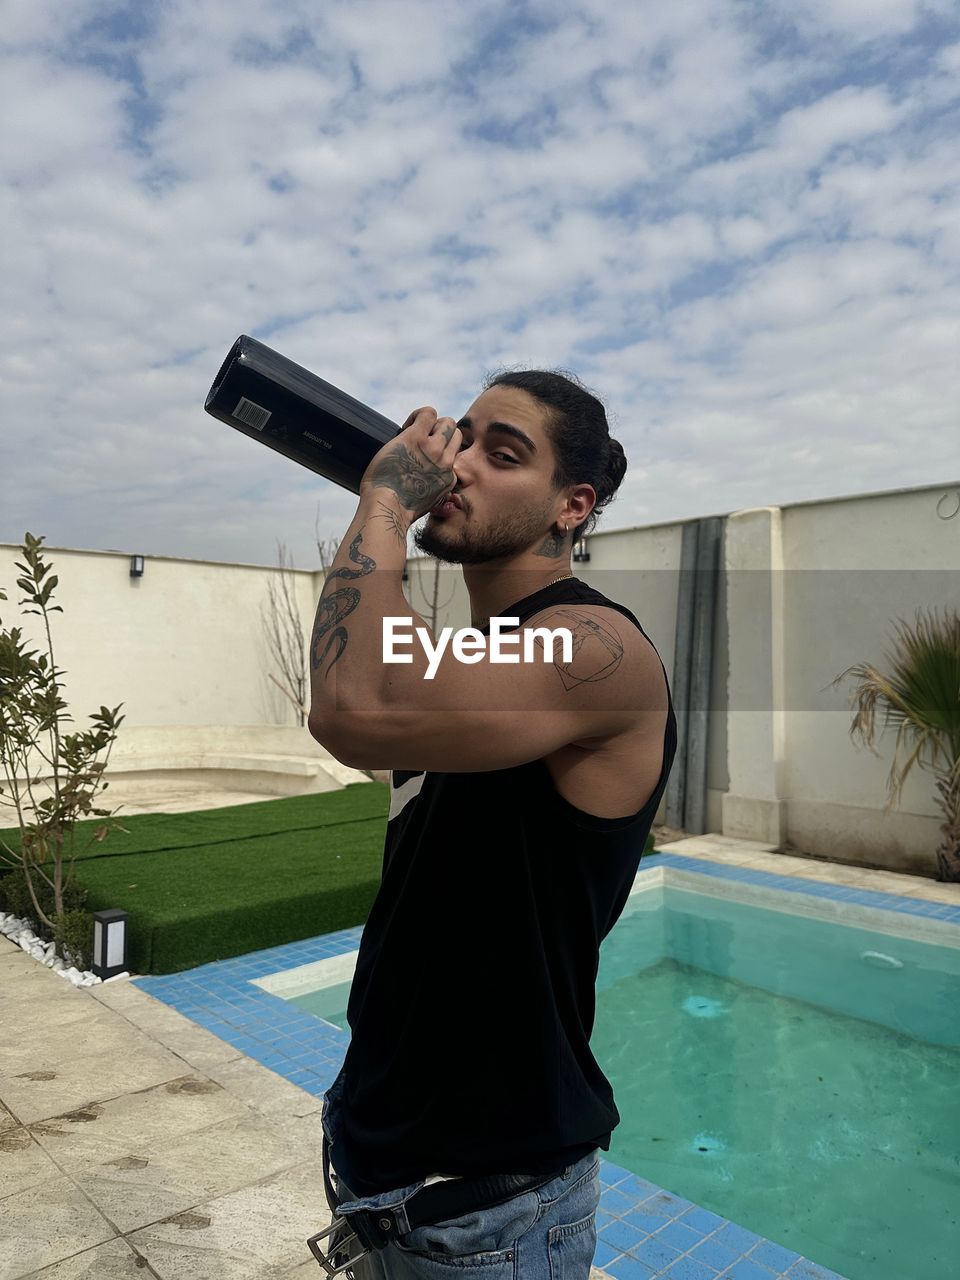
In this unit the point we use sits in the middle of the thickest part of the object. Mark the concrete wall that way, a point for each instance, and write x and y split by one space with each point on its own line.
855 567
182 645
807 590
814 589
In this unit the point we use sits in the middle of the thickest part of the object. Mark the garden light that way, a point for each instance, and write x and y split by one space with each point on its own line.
109 943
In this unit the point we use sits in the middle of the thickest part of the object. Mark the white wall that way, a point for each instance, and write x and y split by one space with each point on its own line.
183 645
814 589
809 589
853 567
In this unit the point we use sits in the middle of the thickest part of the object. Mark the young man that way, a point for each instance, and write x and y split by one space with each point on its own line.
469 1114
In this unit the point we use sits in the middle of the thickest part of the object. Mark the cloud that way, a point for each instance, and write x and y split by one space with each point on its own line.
862 20
738 223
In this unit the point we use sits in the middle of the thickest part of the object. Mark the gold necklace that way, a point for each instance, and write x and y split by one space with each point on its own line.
560 579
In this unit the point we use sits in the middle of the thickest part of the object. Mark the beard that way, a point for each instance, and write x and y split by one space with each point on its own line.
509 536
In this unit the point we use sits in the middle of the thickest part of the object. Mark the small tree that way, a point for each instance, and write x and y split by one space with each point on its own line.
327 548
284 630
921 695
431 593
31 710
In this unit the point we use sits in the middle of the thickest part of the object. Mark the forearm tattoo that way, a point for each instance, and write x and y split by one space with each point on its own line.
393 519
415 480
335 608
597 648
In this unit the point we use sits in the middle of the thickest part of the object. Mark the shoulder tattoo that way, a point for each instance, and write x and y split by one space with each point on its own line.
597 647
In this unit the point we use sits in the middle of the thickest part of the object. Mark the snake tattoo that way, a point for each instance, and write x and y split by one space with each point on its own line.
333 609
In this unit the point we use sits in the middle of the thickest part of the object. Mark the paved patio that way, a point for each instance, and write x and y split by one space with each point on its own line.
135 1143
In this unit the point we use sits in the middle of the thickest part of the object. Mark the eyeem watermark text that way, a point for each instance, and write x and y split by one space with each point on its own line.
470 644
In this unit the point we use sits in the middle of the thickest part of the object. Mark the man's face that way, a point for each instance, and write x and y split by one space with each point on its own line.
503 482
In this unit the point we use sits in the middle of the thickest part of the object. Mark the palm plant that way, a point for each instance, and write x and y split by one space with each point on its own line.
921 695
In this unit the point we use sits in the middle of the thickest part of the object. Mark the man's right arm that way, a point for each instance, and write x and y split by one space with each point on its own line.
494 715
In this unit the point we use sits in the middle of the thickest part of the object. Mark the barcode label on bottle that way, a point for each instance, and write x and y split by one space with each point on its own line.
254 415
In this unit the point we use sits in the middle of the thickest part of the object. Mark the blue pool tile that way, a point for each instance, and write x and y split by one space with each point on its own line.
747 1269
677 1236
242 1041
621 1235
638 1188
714 1254
646 1219
219 1029
273 1060
921 907
702 1220
666 1202
655 1252
807 1270
774 1256
689 1269
629 1268
245 1019
616 1202
738 1239
605 1253
302 1078
939 911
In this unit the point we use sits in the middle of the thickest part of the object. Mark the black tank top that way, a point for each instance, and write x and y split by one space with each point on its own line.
473 1000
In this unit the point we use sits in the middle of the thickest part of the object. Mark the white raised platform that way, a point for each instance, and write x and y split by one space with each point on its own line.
177 768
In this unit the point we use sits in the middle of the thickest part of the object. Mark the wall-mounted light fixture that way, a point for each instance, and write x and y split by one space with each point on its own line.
580 552
109 943
136 566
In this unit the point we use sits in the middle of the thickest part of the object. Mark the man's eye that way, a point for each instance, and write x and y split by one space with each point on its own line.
505 456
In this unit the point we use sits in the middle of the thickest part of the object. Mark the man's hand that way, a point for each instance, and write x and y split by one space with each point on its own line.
417 465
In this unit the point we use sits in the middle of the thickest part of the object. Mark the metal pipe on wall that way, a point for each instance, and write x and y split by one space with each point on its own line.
693 661
701 664
680 685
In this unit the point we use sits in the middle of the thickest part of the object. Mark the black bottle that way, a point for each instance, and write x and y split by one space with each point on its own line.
290 409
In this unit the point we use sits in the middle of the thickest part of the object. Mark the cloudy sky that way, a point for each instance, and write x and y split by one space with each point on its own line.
737 221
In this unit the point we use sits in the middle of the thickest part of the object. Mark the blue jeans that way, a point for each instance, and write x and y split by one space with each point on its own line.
548 1233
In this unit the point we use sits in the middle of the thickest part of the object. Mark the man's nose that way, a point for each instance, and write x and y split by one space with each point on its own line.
463 466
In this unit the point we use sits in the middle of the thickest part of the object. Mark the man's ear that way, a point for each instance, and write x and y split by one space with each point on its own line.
580 502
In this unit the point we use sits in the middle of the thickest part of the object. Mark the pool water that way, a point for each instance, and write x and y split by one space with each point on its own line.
796 1075
329 1003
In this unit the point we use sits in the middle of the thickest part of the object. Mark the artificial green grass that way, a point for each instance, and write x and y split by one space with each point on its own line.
157 831
201 887
206 886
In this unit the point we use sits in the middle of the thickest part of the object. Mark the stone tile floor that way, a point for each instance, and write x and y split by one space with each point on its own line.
135 1142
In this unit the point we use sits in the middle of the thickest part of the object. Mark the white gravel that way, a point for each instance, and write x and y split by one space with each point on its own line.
21 932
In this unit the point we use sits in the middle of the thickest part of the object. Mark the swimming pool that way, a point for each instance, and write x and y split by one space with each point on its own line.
645 1230
777 1063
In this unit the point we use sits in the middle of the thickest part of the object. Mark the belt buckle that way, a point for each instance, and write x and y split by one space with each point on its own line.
325 1260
